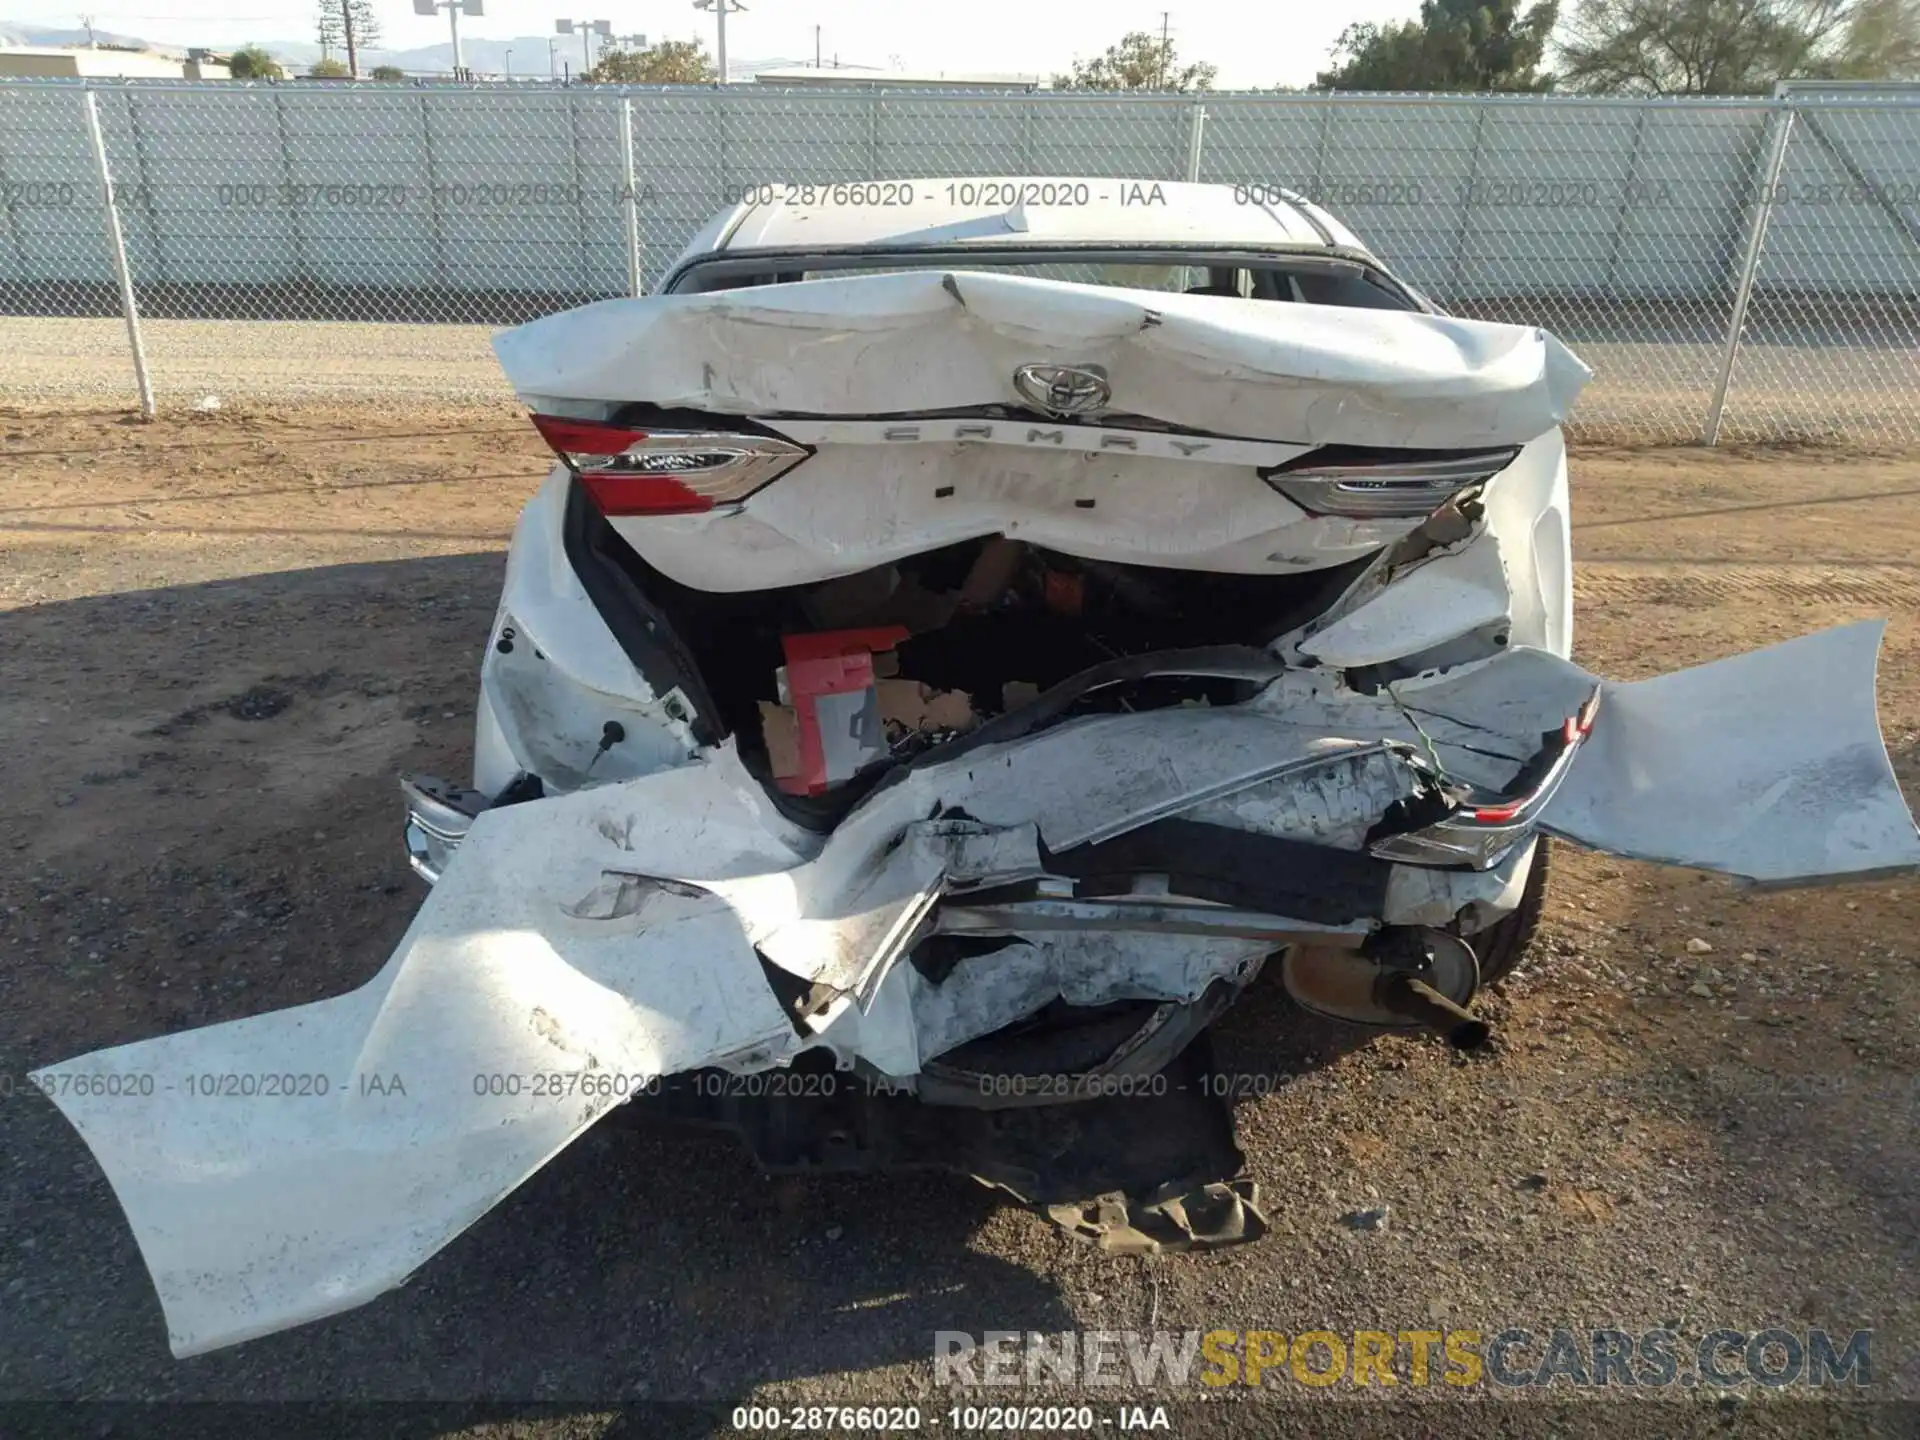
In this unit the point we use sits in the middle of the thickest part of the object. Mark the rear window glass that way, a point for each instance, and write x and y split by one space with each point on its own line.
1173 278
1349 288
1309 283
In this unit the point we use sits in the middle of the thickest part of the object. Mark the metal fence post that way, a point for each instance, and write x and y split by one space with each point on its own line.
584 227
1465 231
144 189
442 269
1628 193
1325 106
629 199
1750 267
1196 138
117 247
717 98
290 178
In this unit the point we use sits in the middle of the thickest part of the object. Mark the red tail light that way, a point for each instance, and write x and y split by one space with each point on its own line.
666 472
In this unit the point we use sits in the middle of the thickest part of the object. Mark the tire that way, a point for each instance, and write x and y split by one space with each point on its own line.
1503 945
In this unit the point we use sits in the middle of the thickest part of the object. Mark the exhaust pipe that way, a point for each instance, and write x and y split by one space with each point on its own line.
1413 999
1382 984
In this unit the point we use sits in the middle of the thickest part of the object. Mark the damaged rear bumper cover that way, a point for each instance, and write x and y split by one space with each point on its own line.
577 949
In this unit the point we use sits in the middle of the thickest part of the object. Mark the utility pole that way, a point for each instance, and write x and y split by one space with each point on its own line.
816 47
1165 19
353 46
721 9
509 62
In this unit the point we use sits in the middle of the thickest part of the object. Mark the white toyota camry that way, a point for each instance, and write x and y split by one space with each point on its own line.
970 632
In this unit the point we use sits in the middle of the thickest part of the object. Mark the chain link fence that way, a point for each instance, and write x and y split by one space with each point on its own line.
1745 269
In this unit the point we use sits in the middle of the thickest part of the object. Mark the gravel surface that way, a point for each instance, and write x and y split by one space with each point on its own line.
222 635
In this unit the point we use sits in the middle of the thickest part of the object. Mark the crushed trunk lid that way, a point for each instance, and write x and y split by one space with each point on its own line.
907 343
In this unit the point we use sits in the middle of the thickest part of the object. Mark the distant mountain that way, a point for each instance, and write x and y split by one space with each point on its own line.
14 34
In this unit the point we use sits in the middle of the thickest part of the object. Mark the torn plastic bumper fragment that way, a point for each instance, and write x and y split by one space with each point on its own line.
615 935
1767 766
506 1022
1481 829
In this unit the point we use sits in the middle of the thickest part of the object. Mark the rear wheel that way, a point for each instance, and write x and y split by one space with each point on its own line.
1503 944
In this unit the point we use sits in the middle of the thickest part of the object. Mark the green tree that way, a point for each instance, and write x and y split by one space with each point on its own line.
347 25
250 62
328 32
1881 41
671 62
388 72
328 70
1141 61
1454 45
1705 47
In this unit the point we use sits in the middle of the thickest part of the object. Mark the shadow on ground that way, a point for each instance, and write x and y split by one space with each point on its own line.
205 829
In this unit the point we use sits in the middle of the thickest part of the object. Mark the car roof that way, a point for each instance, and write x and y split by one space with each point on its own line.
991 212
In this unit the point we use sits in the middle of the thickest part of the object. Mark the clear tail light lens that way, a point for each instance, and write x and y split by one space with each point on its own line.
1382 484
666 472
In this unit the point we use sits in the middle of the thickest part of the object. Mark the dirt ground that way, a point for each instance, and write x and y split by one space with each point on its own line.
221 637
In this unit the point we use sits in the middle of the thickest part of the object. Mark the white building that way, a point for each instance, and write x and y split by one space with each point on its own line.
840 76
64 63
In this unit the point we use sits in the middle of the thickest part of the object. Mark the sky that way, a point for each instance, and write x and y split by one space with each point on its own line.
1255 43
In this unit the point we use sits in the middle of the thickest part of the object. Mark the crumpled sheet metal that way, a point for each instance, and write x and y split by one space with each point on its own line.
844 916
1084 968
1514 573
611 933
939 340
550 948
829 919
1767 766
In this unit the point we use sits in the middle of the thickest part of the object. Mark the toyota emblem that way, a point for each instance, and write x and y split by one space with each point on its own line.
1064 389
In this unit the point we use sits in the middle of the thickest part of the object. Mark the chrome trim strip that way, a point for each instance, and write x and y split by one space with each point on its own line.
1484 828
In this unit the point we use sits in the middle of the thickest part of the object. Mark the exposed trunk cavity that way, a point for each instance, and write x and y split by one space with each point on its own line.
984 629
